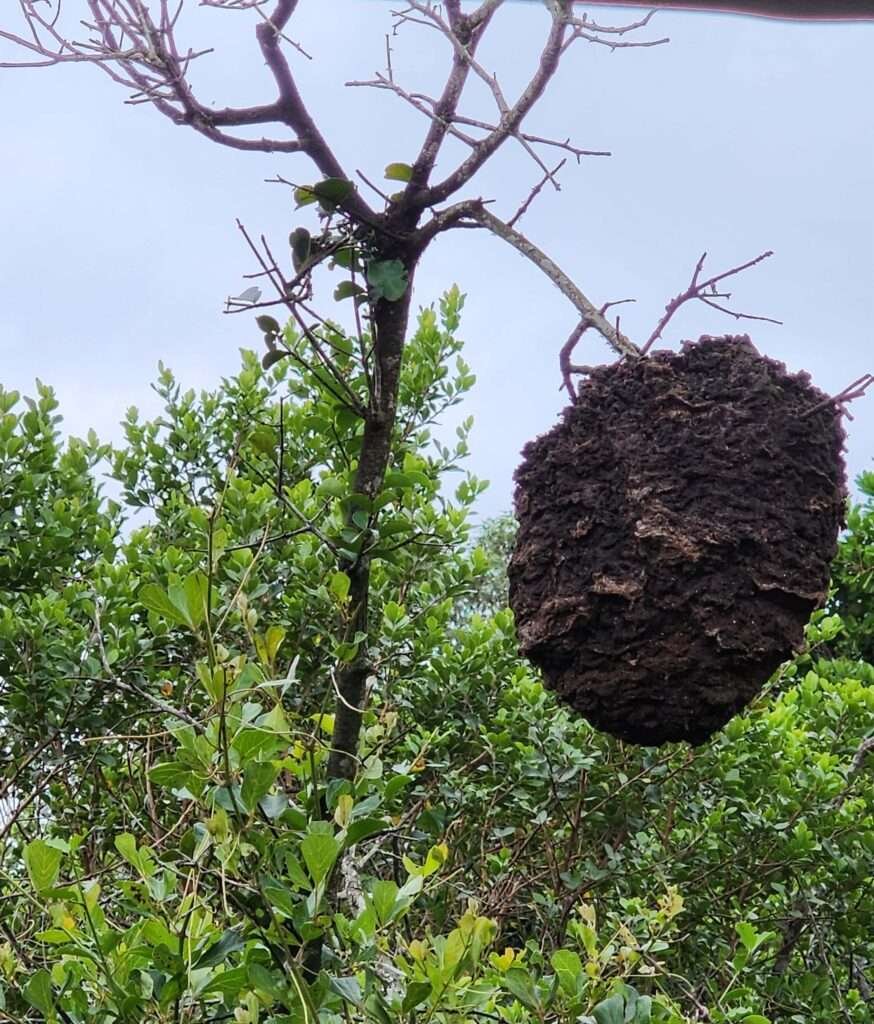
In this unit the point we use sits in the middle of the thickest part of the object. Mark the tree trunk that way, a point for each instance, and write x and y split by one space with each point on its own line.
390 327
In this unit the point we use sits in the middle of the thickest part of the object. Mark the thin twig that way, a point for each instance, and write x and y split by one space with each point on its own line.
697 290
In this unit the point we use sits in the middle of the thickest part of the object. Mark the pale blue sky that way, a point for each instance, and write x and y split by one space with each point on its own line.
119 242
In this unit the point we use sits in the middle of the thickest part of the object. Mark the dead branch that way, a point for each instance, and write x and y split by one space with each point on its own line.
591 314
852 391
699 290
568 368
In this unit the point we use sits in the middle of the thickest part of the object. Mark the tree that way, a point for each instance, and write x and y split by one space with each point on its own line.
318 519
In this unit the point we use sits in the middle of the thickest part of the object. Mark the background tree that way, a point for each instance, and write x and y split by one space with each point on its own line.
176 847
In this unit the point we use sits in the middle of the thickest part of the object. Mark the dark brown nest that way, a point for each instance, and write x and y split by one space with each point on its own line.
675 533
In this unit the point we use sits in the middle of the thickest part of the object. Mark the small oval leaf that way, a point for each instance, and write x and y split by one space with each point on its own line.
270 358
399 172
346 290
268 324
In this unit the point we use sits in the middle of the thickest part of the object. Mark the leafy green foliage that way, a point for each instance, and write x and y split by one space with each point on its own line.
174 851
853 579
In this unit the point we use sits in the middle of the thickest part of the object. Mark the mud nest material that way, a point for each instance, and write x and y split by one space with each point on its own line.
675 533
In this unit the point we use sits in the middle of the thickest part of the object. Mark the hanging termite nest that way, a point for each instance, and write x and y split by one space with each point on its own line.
675 533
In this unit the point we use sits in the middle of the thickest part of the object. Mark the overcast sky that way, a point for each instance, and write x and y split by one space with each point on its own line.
741 135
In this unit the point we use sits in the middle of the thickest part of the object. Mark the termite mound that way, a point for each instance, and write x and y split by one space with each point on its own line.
676 529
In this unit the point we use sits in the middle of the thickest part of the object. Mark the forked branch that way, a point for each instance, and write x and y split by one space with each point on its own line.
706 292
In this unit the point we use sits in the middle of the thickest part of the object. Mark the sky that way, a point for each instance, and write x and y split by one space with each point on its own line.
741 135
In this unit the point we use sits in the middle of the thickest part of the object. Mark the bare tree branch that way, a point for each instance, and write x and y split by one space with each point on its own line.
699 290
511 119
475 210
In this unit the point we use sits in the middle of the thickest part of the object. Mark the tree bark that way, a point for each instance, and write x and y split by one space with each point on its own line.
391 320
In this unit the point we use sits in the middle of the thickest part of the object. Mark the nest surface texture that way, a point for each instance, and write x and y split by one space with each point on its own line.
675 533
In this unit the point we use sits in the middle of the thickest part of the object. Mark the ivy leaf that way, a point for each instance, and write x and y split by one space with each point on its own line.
388 279
399 172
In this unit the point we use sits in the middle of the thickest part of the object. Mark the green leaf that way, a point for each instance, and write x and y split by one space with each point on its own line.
273 805
399 172
339 586
228 983
171 774
361 519
400 480
38 992
568 969
611 1010
388 279
347 988
384 895
268 324
643 1011
196 590
363 828
305 196
301 242
257 780
319 852
126 845
331 486
273 638
347 290
416 994
266 981
279 896
331 192
43 862
345 258
272 357
55 936
519 984
155 599
230 942
251 742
